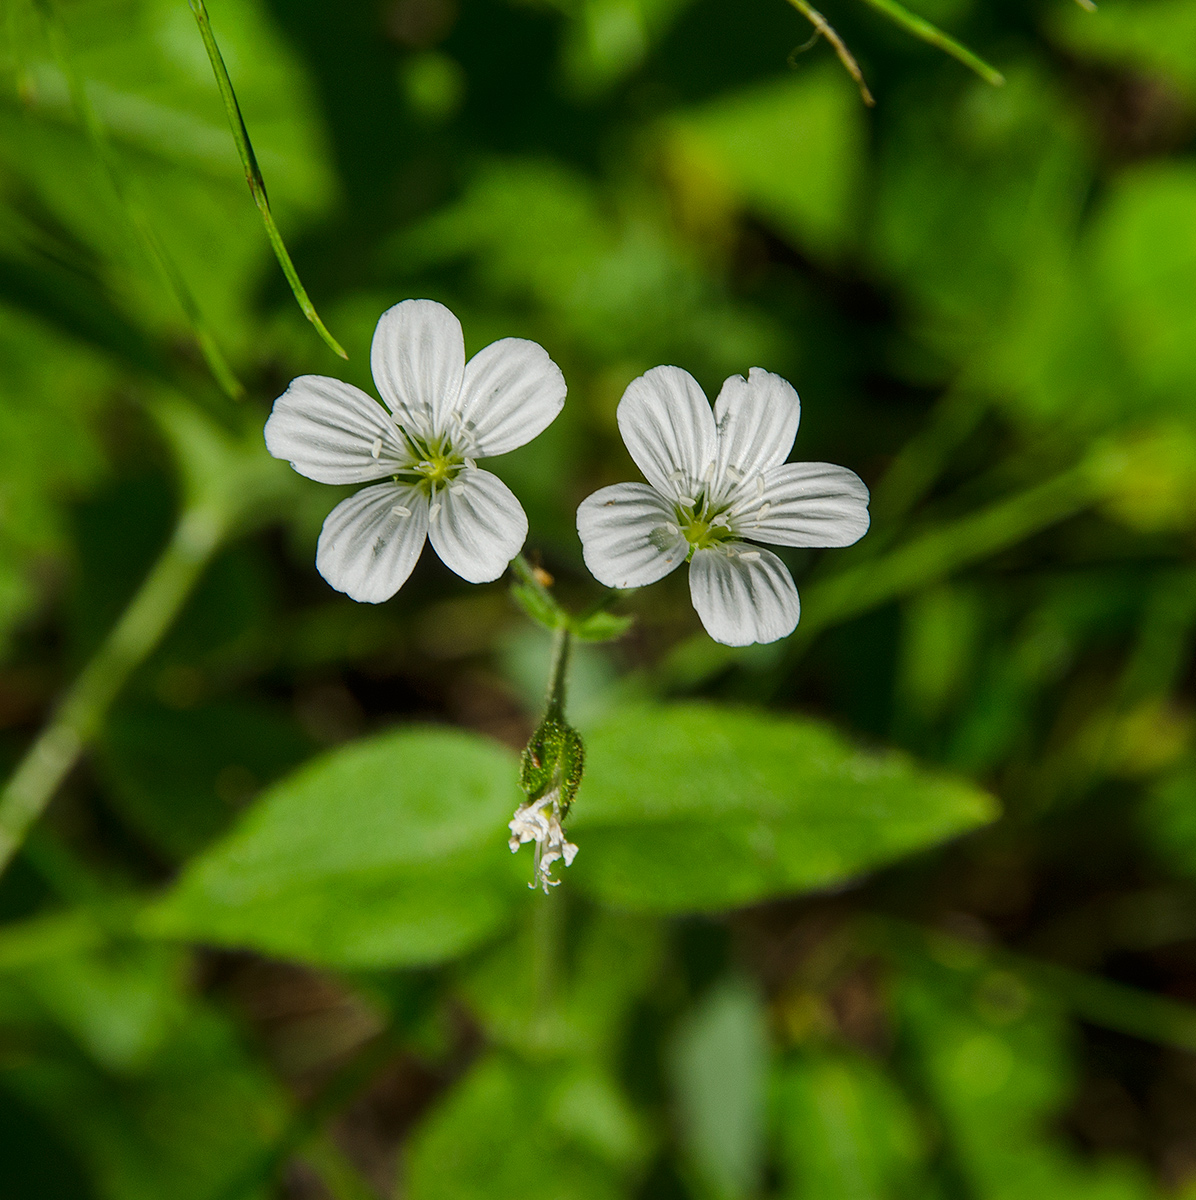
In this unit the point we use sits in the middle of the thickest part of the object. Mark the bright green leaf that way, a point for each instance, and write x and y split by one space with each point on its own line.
389 851
694 807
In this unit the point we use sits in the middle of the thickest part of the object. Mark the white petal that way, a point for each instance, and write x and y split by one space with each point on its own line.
370 542
743 595
666 421
418 360
512 392
629 535
757 421
329 430
804 504
477 526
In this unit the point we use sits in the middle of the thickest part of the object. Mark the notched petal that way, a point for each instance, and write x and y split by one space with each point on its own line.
511 393
743 595
333 432
370 542
477 525
418 360
628 535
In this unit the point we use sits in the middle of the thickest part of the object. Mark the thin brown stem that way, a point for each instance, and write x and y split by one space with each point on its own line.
824 29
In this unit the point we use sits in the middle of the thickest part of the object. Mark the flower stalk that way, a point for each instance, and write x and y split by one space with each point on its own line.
57 749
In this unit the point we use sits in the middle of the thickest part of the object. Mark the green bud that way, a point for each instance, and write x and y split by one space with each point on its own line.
553 758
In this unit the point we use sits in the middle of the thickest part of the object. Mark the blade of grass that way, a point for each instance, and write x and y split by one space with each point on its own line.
140 223
934 36
253 175
823 27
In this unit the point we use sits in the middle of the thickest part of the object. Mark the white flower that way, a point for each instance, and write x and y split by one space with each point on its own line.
444 414
717 479
539 821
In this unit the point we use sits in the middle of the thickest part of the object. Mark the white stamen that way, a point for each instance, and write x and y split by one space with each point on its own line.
671 529
759 485
471 464
532 824
376 448
401 510
762 511
433 509
687 501
749 555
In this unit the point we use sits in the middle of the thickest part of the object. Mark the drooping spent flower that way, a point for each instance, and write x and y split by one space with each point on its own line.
444 414
718 481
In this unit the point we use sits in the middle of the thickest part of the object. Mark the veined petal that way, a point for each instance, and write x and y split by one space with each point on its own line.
629 535
370 542
418 361
668 427
512 392
803 504
757 420
743 595
333 432
476 525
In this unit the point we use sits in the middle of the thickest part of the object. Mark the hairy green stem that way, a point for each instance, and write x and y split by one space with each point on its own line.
253 175
138 220
554 703
57 748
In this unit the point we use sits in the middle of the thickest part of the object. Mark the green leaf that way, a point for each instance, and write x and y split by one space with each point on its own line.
697 807
509 1131
791 151
601 627
846 1132
720 1067
389 851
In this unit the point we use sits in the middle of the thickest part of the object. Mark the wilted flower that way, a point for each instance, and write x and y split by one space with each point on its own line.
715 480
539 821
444 414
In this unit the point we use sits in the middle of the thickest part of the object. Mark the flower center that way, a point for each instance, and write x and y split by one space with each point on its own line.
703 524
436 464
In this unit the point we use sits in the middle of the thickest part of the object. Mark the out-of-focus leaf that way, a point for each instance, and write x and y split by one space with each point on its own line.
179 776
1169 819
1145 254
791 151
846 1132
508 1131
119 1002
192 1121
995 1057
720 1067
621 283
601 627
389 851
1154 37
37 1162
699 807
581 1010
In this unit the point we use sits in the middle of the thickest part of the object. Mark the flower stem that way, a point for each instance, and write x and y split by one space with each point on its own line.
57 749
554 701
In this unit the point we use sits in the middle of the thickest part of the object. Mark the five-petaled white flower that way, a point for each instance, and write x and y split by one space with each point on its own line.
717 479
444 414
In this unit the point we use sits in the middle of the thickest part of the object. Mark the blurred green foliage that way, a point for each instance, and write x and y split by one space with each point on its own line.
902 907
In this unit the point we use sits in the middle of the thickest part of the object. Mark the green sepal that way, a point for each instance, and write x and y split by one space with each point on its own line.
538 605
601 627
553 757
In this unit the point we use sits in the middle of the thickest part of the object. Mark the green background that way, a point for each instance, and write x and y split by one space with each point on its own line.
901 907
